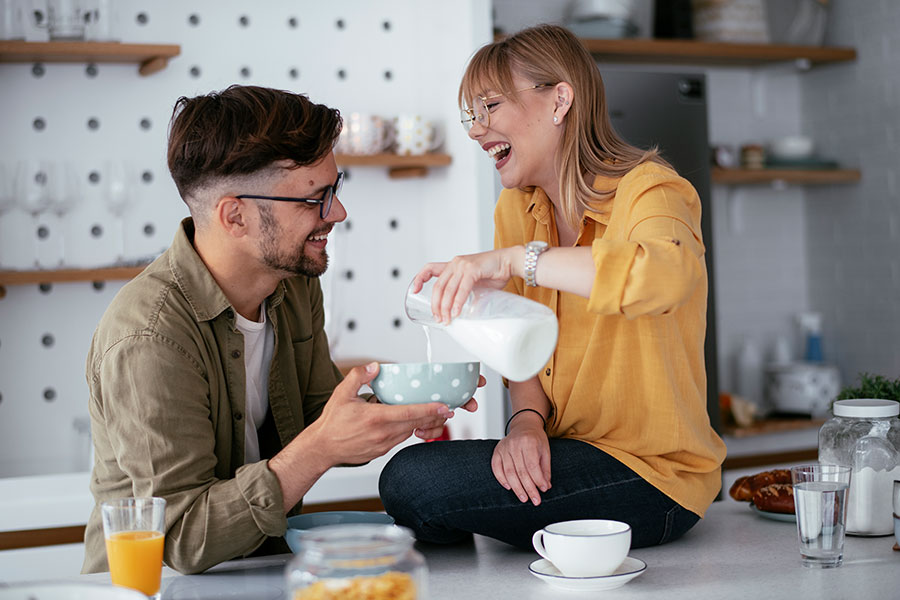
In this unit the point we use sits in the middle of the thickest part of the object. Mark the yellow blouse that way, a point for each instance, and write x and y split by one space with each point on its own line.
628 373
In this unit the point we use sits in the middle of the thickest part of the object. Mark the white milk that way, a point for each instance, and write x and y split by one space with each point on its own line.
515 347
427 342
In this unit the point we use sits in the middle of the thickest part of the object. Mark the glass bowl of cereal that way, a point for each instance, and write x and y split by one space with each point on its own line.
351 561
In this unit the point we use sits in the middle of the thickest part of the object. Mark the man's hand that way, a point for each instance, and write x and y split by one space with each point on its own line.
352 431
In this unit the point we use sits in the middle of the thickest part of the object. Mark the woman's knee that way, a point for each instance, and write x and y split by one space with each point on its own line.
399 475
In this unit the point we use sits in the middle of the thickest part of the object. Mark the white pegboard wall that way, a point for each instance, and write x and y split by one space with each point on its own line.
386 58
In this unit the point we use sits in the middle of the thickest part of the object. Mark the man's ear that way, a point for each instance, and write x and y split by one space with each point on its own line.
231 214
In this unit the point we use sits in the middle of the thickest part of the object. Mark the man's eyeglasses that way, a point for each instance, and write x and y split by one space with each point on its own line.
324 202
481 111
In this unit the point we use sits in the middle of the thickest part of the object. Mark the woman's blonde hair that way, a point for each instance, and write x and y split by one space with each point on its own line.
589 146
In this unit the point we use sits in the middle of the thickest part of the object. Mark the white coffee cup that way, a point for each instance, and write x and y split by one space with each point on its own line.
364 134
584 548
416 135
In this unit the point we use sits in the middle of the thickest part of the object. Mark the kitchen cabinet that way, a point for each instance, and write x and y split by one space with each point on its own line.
150 58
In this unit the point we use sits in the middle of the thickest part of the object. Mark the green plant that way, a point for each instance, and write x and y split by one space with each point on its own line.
872 386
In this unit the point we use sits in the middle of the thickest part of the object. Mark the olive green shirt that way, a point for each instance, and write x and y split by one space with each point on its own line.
166 377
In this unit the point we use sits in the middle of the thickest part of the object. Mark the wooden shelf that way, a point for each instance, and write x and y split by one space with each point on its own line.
712 53
773 425
150 57
66 276
798 176
399 166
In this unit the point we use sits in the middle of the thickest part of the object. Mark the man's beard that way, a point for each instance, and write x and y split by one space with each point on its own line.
295 262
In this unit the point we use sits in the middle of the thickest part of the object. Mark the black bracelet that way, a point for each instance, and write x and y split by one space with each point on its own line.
506 430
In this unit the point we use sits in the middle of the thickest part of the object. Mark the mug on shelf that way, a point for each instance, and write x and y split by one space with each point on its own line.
416 135
365 133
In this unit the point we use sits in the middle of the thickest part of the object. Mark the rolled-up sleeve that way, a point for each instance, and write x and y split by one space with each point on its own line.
656 264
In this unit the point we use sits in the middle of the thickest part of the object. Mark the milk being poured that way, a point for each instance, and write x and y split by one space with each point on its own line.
515 347
427 343
511 334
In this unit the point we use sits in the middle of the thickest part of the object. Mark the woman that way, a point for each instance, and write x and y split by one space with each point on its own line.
615 425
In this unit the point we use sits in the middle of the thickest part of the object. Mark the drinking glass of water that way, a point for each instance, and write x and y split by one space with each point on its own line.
820 500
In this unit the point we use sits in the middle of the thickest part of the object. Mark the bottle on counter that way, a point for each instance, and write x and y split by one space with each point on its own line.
750 374
811 326
357 561
864 434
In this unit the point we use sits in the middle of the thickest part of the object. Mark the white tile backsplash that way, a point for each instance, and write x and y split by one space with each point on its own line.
852 231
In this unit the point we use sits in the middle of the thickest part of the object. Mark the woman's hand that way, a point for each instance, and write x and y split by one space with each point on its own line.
455 279
521 460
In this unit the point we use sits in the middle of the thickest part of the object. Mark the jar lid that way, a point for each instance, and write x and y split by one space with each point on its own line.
866 408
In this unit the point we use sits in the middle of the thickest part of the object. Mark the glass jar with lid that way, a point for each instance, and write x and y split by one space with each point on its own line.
865 436
351 561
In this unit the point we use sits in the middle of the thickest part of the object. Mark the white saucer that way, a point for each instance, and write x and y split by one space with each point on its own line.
628 570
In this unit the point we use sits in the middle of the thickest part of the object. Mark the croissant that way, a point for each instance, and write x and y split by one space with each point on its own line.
745 487
777 497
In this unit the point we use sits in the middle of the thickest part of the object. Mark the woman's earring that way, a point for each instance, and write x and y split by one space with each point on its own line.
555 119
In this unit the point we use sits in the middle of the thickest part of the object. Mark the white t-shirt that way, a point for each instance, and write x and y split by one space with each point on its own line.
259 342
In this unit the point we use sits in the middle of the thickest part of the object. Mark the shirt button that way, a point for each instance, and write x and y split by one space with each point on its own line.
235 354
238 416
547 372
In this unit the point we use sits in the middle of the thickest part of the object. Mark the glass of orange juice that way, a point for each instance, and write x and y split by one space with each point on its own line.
135 530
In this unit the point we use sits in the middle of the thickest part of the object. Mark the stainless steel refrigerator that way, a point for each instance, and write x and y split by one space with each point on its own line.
668 110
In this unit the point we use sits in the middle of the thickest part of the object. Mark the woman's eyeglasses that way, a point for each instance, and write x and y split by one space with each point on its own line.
481 111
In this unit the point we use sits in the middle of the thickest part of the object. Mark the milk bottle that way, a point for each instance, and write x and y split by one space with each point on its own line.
508 333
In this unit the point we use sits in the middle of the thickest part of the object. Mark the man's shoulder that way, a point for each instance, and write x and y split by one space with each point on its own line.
150 304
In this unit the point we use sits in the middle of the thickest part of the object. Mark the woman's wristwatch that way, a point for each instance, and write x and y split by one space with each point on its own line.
532 251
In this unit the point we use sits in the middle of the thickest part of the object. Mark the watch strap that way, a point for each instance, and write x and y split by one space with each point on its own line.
532 252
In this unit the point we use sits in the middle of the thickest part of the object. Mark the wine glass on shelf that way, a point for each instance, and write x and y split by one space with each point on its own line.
65 195
32 195
118 196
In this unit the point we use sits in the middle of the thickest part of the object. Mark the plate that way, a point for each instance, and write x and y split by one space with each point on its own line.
68 591
300 523
788 518
632 567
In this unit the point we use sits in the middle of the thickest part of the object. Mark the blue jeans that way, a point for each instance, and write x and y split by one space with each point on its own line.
446 491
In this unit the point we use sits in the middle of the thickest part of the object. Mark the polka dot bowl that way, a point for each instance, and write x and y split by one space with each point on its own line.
417 383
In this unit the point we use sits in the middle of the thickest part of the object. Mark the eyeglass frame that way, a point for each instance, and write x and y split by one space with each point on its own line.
468 114
324 202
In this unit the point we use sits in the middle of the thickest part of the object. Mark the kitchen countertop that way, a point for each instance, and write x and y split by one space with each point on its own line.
732 553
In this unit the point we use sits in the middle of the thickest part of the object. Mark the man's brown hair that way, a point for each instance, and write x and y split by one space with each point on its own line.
242 130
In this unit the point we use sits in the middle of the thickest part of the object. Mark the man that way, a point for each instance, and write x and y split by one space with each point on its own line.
210 380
